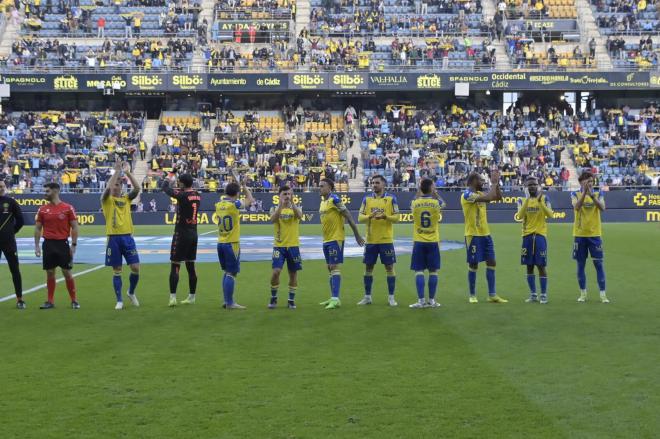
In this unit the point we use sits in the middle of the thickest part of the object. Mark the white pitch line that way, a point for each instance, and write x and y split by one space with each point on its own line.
207 233
38 287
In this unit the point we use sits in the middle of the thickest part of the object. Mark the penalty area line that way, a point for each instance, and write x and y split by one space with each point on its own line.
58 280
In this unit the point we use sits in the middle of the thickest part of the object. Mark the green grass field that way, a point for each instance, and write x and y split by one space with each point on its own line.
486 370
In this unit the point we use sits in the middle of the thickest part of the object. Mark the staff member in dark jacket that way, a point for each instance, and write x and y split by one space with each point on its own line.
11 221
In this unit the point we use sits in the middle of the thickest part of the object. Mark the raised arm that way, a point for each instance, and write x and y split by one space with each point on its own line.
276 212
297 211
113 180
168 189
546 207
522 209
441 202
135 191
599 201
393 216
579 200
249 199
495 192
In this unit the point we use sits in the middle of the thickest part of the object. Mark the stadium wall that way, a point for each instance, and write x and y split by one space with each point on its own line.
622 206
283 82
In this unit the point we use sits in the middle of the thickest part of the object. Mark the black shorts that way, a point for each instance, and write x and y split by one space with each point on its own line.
184 245
9 249
56 254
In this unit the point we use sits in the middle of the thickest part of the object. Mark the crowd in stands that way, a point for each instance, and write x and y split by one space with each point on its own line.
74 148
117 18
318 54
116 53
447 144
405 143
297 147
625 16
523 54
538 9
396 17
640 56
620 144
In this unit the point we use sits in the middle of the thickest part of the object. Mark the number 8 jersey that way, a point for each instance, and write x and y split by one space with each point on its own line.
229 221
426 216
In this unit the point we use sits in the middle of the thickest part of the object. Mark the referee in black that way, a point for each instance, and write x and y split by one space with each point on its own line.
11 221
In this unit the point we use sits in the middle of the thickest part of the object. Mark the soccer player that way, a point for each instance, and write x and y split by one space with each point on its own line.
426 208
379 212
286 245
229 233
478 242
588 204
333 213
11 221
119 230
184 240
533 212
56 221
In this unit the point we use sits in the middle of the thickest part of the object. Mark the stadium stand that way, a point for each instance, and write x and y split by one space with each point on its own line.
642 55
615 17
397 18
120 19
539 9
296 147
405 143
75 148
620 144
115 54
525 53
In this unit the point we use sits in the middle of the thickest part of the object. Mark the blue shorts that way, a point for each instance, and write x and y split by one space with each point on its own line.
229 255
289 254
534 250
119 247
480 249
425 256
583 247
385 251
333 252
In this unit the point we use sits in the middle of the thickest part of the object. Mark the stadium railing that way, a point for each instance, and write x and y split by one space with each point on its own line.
380 68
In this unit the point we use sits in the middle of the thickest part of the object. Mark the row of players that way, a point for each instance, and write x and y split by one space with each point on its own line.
56 224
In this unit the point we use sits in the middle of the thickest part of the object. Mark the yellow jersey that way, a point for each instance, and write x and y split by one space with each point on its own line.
229 220
476 220
379 231
533 213
426 216
117 213
286 228
332 218
587 219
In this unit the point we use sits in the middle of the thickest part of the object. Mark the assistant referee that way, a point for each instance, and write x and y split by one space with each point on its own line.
11 221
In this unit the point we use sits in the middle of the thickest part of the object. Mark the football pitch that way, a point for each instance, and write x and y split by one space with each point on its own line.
486 370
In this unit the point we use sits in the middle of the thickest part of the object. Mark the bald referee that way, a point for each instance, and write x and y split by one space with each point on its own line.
11 221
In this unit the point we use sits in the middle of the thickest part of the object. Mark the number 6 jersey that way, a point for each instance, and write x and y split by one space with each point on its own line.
426 216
